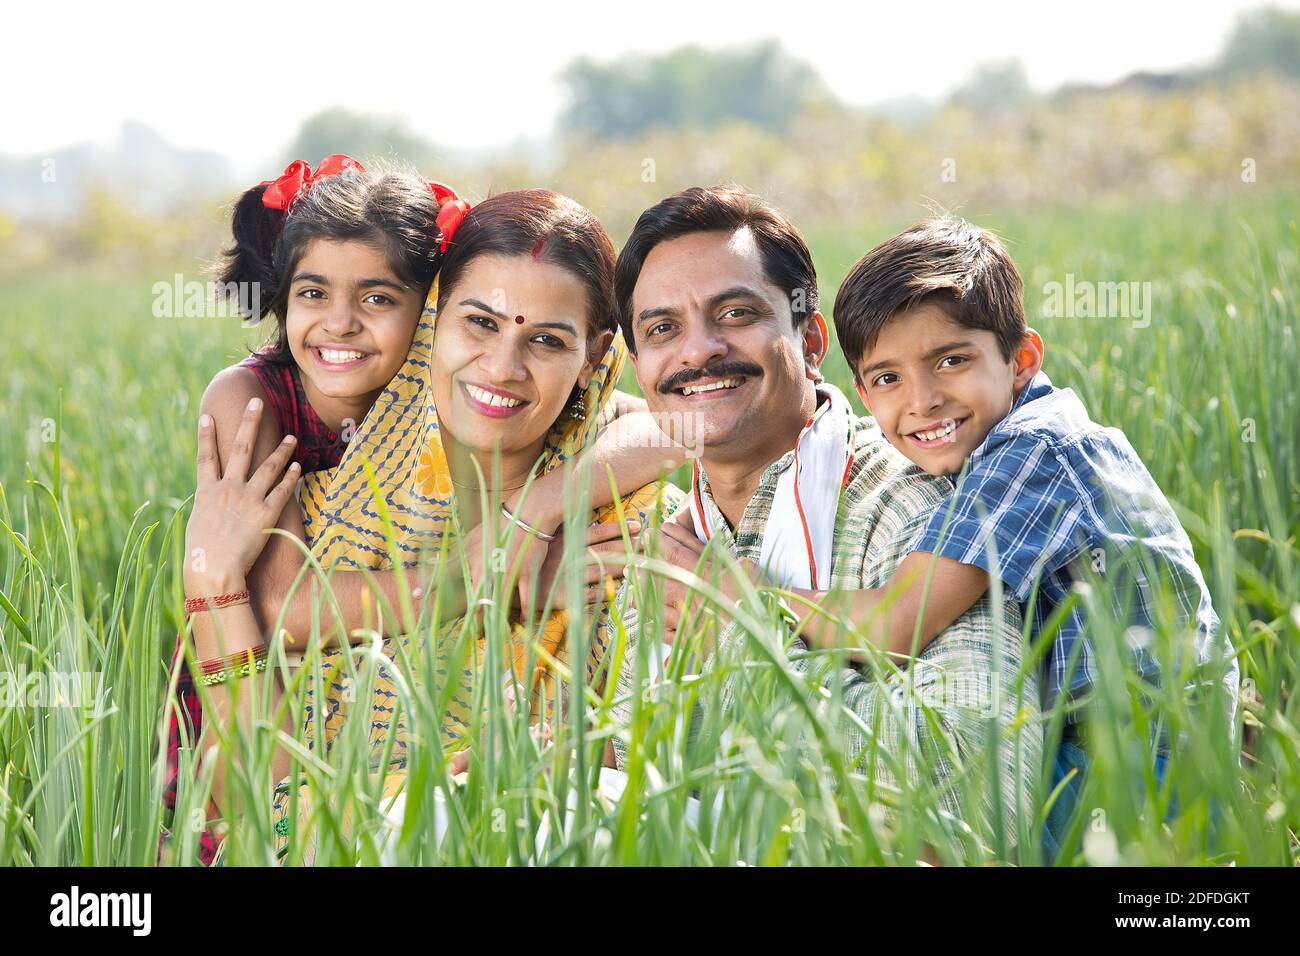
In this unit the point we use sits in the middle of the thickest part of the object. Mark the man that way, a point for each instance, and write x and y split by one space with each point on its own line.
717 296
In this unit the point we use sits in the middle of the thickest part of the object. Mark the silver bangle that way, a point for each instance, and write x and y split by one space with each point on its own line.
536 532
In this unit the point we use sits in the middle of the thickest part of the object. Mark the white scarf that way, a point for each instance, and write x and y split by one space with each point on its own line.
799 540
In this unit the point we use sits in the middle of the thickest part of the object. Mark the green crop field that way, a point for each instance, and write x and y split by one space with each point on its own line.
99 402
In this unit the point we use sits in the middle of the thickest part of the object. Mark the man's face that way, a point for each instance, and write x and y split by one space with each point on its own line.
718 353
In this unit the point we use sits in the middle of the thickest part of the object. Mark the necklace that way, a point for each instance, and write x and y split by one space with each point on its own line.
475 486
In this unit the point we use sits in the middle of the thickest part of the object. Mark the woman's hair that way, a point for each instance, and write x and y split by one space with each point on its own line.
391 209
550 228
787 263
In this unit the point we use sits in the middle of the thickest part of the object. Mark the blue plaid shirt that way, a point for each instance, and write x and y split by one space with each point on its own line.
1049 497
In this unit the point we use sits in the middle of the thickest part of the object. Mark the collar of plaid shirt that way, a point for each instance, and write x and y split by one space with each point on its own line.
884 504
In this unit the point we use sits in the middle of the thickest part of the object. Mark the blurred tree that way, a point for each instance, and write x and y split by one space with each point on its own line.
110 228
688 86
1264 38
360 135
995 85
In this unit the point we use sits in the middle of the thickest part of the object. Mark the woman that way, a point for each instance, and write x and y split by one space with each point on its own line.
521 371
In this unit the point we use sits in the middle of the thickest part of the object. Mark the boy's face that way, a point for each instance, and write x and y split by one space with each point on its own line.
936 388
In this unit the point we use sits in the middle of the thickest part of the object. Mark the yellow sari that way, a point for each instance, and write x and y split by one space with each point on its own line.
399 440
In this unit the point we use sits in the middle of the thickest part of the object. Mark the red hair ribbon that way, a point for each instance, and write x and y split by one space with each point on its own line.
298 177
452 211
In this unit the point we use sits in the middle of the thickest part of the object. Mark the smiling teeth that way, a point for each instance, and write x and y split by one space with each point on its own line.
937 433
491 398
340 356
713 387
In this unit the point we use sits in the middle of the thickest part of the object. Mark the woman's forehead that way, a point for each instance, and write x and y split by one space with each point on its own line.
513 286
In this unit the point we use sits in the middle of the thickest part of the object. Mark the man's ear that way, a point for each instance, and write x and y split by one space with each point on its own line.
816 341
597 351
1028 359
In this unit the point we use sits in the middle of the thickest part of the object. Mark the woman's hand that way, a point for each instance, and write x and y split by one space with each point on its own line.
606 562
232 511
493 548
539 562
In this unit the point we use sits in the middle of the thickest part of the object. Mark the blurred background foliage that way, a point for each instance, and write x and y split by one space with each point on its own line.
640 128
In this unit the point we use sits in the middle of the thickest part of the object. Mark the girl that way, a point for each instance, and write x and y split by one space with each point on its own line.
368 245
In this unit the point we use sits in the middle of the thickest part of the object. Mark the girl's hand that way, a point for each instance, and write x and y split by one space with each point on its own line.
232 511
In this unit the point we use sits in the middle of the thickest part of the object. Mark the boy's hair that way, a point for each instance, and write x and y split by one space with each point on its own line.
945 260
392 209
787 263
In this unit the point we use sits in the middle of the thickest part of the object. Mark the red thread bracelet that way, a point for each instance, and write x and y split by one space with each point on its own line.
219 601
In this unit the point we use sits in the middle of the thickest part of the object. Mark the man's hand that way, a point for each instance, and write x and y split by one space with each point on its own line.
678 546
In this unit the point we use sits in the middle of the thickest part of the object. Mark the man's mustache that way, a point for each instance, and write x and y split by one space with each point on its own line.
720 370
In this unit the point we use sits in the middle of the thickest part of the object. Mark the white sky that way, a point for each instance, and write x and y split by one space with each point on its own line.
239 76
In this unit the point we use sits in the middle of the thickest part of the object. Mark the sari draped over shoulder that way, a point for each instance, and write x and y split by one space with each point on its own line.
395 474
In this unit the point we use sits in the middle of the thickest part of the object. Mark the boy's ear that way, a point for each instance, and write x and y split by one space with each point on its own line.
862 394
816 342
1029 358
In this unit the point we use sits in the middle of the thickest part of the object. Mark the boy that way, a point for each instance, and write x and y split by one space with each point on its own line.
932 323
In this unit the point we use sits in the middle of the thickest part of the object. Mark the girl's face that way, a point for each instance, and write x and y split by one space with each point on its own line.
510 345
350 319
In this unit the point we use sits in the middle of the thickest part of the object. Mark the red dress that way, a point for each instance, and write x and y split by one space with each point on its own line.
318 448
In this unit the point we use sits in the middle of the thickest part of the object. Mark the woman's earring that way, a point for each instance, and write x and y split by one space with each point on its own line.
578 409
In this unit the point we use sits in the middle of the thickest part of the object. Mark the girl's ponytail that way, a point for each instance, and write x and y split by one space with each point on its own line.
249 263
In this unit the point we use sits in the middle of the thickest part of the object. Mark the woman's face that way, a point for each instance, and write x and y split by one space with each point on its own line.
510 345
350 319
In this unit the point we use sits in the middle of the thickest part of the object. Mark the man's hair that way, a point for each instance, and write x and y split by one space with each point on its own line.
787 263
948 261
